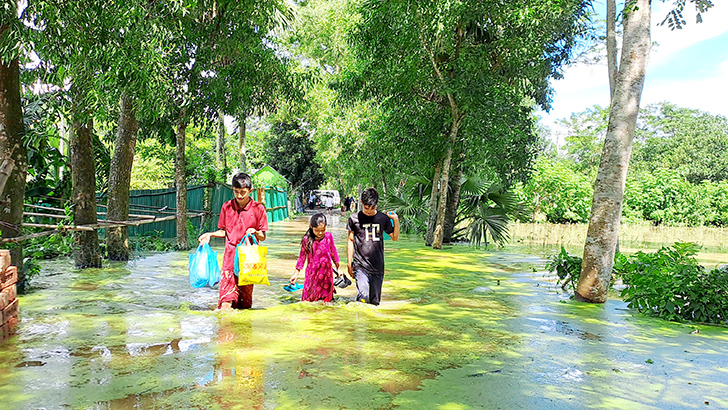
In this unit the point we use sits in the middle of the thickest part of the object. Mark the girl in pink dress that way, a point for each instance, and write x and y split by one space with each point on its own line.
317 246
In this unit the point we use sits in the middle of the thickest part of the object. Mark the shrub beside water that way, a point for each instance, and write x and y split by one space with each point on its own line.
567 268
668 283
672 285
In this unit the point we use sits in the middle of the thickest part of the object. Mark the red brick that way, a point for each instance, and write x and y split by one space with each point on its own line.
7 295
10 311
4 260
8 328
10 277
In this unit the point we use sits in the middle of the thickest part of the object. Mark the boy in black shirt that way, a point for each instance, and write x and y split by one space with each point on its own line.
365 248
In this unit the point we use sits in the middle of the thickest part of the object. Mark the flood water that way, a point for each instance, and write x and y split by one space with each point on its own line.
459 328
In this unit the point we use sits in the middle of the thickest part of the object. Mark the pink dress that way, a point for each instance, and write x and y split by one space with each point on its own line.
319 281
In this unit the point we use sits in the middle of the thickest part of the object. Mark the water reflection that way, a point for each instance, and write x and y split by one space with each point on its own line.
463 329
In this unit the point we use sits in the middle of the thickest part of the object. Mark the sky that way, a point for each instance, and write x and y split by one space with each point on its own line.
687 67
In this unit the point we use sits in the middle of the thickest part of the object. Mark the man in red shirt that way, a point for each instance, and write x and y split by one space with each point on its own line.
238 217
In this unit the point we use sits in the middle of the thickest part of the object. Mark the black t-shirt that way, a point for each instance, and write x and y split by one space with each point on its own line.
369 240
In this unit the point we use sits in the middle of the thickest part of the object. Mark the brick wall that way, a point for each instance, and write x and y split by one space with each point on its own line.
8 295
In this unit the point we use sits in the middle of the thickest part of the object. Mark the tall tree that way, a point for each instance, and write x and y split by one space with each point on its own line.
117 238
482 65
78 45
691 141
133 67
83 180
13 157
603 232
291 152
219 51
181 182
242 149
220 141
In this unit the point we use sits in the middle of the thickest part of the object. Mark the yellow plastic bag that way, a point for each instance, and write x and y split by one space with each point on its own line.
251 263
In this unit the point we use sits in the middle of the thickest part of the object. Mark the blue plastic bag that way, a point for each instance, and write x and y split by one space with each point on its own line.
204 269
213 267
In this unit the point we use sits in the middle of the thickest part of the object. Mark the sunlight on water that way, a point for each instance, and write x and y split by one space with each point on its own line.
458 328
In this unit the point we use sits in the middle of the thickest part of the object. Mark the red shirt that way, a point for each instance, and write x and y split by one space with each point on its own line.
235 221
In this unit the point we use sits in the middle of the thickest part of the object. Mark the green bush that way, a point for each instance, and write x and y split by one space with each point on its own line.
672 285
152 241
567 268
559 192
668 283
48 247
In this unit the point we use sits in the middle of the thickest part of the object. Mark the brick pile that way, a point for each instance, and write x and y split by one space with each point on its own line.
8 295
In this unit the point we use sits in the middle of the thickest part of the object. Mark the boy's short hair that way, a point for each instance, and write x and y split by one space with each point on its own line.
370 197
242 180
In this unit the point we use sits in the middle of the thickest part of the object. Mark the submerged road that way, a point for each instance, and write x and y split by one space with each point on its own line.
458 329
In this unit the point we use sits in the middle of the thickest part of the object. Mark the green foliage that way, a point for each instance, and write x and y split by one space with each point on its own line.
411 204
678 170
255 143
48 247
668 283
560 193
674 18
11 34
691 142
486 208
48 167
567 268
200 155
291 152
484 211
585 138
672 285
153 165
664 196
154 241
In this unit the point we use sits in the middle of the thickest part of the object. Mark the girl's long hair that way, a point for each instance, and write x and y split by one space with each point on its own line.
316 220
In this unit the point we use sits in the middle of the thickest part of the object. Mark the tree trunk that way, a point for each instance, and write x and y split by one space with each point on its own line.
220 142
83 197
453 201
603 230
12 150
445 176
612 45
207 207
241 141
181 183
432 215
442 202
457 118
117 238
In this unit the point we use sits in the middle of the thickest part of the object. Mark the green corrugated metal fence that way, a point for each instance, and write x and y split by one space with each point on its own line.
154 201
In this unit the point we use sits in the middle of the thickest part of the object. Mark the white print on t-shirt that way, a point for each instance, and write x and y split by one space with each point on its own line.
372 229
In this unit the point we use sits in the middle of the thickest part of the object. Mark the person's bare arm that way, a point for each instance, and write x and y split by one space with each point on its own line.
395 219
350 253
260 235
205 237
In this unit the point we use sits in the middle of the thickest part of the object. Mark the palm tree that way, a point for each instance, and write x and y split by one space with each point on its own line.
485 209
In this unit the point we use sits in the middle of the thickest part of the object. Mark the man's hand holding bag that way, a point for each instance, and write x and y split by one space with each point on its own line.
251 265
